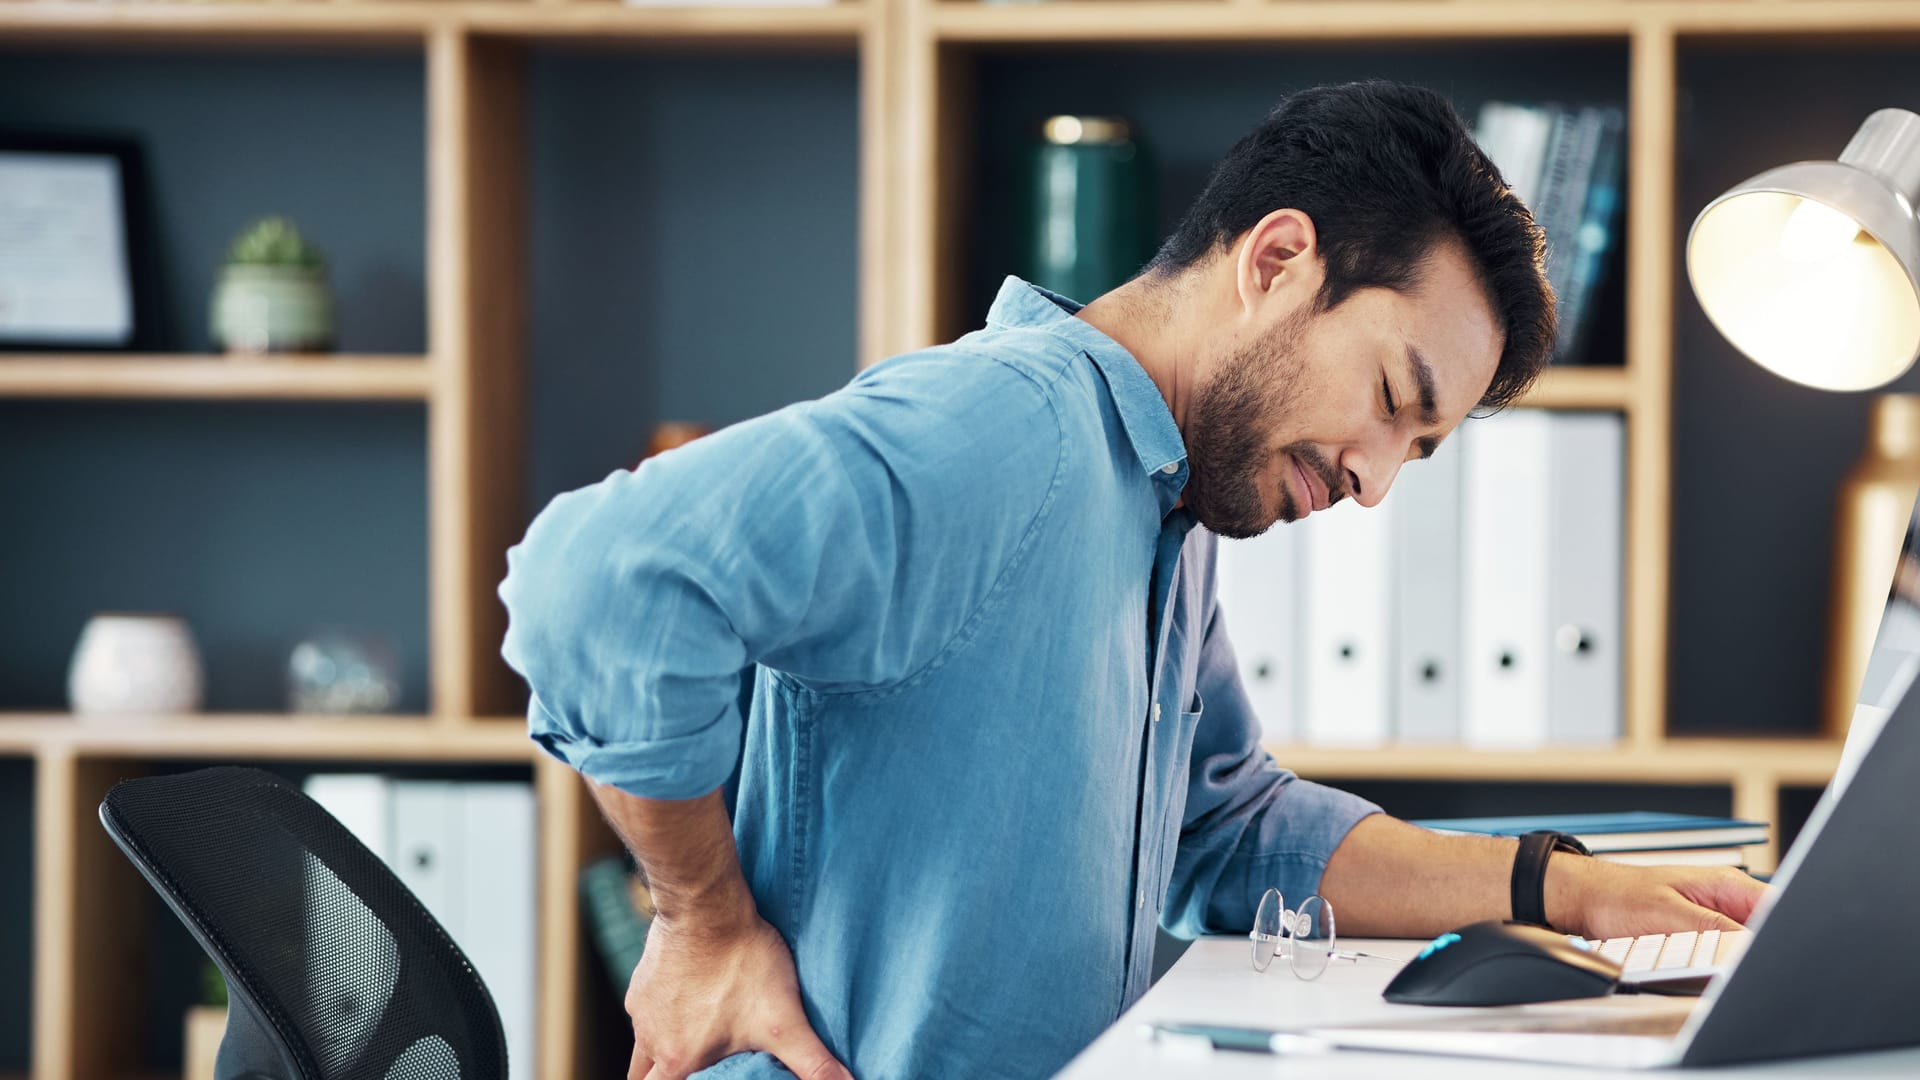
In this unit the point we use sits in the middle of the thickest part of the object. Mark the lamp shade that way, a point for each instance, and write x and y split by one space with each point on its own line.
1813 269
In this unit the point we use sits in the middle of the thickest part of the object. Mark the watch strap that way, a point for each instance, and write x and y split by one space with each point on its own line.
1528 887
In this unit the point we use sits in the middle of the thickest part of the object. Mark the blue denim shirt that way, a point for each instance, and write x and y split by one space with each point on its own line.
996 732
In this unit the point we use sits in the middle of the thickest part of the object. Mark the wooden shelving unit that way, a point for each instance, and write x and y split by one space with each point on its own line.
917 67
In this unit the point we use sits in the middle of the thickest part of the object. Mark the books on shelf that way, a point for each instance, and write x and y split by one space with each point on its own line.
1480 604
1566 165
1635 837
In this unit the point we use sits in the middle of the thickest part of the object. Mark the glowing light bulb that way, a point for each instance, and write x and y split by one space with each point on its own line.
1815 233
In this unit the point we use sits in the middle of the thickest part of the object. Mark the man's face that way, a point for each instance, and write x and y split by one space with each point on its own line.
1298 417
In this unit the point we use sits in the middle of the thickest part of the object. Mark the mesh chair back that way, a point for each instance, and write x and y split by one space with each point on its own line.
334 970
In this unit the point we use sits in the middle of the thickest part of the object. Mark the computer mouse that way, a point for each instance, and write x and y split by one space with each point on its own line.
1502 963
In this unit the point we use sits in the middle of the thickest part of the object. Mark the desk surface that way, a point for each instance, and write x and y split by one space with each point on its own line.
1213 983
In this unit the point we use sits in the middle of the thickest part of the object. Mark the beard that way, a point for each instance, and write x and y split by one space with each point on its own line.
1227 446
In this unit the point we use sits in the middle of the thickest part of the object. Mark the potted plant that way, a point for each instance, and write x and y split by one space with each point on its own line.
272 295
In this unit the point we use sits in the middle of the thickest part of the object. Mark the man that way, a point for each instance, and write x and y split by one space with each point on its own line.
996 732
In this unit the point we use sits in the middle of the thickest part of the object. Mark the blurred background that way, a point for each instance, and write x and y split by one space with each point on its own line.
308 307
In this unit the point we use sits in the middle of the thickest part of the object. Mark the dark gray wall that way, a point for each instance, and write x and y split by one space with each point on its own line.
695 222
1757 460
16 913
334 140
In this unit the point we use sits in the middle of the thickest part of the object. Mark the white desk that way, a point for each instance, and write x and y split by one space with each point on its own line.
1213 983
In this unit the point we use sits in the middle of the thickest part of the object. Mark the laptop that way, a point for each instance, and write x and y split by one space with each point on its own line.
1832 957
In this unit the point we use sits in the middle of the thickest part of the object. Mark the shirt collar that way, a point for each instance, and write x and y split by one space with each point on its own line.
1143 409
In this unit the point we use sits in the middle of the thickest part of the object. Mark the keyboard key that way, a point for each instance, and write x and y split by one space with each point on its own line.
1709 950
1645 950
1678 952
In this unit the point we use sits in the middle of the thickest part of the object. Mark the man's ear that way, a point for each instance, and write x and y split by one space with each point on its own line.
1279 255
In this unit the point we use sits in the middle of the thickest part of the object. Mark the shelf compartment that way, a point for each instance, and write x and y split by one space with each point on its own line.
331 137
138 977
1188 104
260 526
205 378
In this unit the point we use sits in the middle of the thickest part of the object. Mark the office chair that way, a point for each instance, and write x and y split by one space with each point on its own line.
334 970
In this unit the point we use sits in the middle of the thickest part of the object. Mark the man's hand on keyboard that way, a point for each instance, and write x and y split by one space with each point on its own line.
1607 900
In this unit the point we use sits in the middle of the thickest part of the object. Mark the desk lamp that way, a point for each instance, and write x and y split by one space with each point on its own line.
1813 269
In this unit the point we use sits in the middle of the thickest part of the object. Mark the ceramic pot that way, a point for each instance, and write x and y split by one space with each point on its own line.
269 309
135 664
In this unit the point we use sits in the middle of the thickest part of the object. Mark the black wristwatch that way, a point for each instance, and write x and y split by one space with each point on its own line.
1529 888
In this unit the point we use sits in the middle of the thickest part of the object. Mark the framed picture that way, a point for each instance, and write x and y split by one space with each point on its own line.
72 244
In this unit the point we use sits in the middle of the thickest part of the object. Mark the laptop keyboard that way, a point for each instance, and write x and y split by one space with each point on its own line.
1686 955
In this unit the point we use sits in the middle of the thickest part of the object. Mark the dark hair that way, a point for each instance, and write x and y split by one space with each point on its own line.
1386 172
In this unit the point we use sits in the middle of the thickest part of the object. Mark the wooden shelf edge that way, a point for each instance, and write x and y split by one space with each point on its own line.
1674 761
188 377
346 22
410 21
253 735
1402 20
835 23
1382 20
1578 387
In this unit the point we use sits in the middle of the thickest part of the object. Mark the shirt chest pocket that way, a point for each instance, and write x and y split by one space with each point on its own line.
1180 742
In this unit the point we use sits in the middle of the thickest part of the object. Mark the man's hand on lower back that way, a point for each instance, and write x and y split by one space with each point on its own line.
702 993
715 979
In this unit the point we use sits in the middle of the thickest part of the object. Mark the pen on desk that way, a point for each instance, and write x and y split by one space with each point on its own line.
1252 1040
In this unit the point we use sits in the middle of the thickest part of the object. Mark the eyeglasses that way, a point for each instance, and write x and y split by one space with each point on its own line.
1305 937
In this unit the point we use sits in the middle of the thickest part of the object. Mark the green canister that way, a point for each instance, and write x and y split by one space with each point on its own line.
1089 226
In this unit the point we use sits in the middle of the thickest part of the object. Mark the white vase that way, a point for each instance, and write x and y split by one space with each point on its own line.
127 664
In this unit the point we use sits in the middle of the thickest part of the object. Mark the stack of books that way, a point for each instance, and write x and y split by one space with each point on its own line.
1647 839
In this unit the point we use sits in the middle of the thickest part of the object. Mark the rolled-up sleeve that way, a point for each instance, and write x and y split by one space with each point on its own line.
1249 825
804 540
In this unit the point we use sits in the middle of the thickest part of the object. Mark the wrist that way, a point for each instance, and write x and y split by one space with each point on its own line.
715 910
1566 890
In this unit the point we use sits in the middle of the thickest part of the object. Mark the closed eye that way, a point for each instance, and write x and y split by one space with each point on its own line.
1386 393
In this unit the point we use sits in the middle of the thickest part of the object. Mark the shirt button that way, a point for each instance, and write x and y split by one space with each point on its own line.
1156 712
1143 899
1170 468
